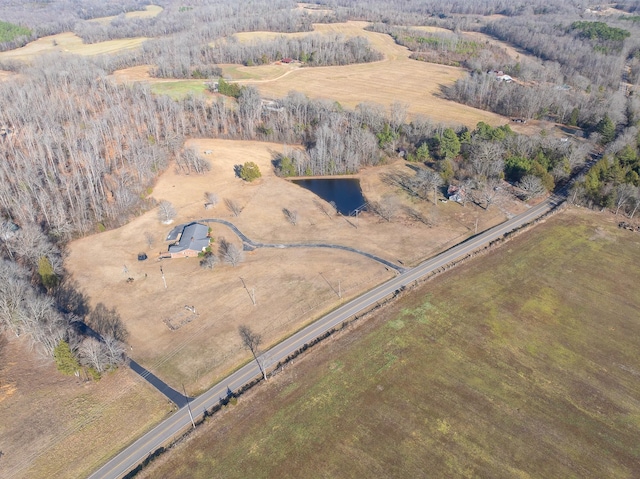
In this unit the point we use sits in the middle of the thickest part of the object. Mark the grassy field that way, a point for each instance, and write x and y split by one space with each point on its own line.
69 43
59 426
523 363
289 288
149 12
179 89
396 78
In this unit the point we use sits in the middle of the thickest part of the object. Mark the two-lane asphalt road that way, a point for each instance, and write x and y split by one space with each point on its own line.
162 434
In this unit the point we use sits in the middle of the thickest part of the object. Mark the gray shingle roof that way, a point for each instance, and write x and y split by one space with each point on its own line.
194 237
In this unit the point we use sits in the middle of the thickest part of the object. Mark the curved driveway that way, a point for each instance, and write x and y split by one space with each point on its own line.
171 427
250 244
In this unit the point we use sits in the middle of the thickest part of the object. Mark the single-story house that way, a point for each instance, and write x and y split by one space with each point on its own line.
456 193
193 240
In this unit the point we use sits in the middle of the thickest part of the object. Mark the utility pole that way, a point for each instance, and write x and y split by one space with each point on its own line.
252 293
188 406
476 225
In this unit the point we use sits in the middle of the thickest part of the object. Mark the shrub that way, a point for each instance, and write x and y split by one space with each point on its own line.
66 361
250 171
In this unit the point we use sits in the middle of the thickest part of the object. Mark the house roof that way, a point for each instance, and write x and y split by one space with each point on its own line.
194 237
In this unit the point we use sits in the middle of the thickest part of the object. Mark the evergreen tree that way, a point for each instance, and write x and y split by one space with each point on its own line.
65 360
449 144
250 171
607 130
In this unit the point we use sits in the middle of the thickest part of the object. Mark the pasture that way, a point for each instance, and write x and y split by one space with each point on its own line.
395 78
292 286
60 426
149 11
521 364
69 43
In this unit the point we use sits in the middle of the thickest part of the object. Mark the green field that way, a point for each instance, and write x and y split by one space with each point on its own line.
179 89
523 363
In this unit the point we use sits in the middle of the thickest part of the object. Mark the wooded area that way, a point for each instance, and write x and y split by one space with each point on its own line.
80 152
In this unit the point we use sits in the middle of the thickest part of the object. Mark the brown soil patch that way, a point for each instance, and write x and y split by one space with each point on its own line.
289 287
59 426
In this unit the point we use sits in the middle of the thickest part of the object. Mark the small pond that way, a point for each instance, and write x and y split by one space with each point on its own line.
344 192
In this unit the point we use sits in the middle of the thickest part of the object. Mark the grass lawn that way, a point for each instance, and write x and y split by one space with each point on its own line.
70 43
523 363
179 89
60 426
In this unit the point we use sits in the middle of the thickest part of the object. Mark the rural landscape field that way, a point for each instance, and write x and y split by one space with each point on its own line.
188 188
515 371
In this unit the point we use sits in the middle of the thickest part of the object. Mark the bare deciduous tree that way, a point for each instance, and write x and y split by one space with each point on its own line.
532 185
623 195
428 182
166 212
635 202
487 158
233 206
115 351
291 215
190 161
93 354
387 207
108 323
251 341
230 253
211 199
488 191
149 239
208 261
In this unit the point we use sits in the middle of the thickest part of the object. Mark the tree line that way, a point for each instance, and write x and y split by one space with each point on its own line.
312 49
614 181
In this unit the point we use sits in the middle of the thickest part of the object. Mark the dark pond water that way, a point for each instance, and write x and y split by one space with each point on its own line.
344 192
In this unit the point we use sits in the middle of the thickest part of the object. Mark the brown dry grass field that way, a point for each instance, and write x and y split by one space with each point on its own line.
522 364
396 78
312 8
62 427
289 287
69 43
149 12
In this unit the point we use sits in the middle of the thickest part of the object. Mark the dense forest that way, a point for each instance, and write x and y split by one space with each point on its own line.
80 153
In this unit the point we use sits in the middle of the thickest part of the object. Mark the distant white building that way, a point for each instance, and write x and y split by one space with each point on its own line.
500 76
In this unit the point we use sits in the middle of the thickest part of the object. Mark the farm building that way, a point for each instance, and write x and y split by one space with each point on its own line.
193 240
